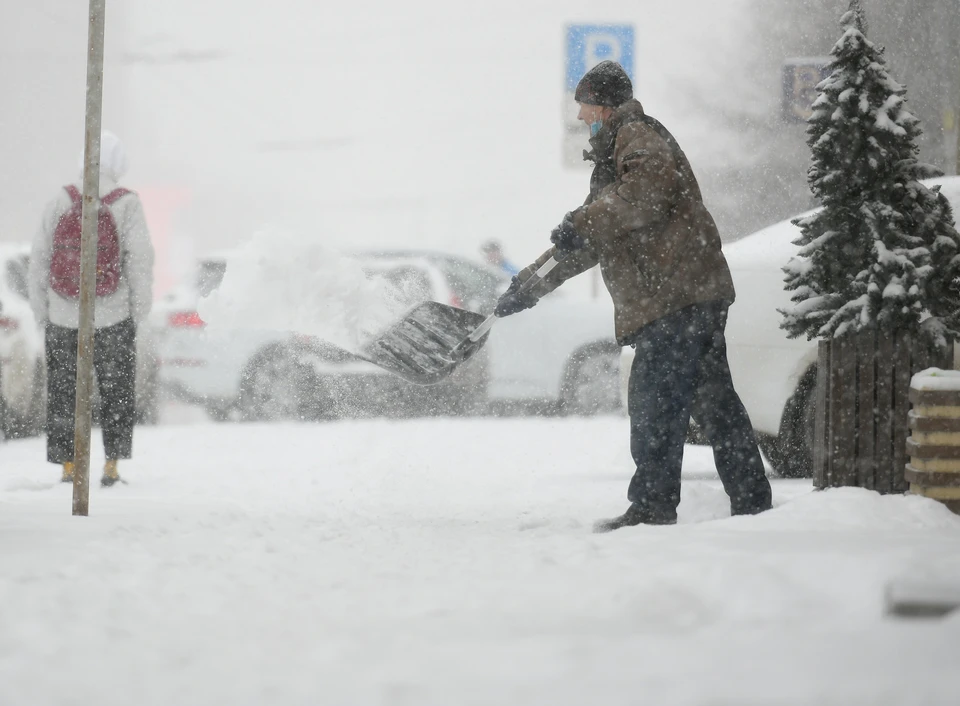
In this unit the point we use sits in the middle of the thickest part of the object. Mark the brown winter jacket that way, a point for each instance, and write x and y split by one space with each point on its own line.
645 224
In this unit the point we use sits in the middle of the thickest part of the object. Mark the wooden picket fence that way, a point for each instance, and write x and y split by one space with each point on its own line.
863 405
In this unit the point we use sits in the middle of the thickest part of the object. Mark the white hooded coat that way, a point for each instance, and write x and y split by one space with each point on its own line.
134 295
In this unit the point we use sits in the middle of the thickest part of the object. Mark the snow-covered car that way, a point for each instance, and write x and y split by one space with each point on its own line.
21 350
253 373
22 362
776 375
561 353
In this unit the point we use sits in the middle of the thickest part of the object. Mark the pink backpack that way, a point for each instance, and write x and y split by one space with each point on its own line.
65 263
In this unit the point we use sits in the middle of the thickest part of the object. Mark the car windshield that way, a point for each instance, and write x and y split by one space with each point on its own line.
209 276
17 275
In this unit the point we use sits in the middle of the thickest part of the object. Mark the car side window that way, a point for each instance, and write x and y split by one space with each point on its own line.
472 283
210 276
17 276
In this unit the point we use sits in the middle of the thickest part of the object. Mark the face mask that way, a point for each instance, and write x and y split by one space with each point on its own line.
595 128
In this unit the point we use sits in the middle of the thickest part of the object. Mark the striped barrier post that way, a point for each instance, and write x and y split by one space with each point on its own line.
934 442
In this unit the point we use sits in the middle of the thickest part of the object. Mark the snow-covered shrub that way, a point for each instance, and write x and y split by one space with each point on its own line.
883 250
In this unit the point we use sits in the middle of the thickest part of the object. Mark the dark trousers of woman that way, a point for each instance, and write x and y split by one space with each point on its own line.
680 370
115 364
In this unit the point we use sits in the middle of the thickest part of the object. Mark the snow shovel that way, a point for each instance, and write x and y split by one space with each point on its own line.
428 344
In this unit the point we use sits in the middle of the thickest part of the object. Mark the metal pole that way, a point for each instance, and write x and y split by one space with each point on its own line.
955 56
955 108
88 257
956 130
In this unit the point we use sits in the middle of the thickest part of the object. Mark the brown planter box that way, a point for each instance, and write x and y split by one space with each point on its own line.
863 408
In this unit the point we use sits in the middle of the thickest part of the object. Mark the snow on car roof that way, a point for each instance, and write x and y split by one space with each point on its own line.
774 244
11 249
949 187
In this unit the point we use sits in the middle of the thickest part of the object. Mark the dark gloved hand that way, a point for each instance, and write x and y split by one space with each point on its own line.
566 237
513 300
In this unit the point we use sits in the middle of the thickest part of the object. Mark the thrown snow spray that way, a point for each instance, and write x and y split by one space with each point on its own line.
281 281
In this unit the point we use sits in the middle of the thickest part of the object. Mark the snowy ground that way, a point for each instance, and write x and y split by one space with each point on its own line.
451 562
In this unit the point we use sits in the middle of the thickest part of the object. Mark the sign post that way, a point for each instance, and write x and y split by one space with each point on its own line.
587 46
88 257
800 77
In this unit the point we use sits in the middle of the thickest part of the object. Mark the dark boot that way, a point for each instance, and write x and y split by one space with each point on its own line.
749 508
635 515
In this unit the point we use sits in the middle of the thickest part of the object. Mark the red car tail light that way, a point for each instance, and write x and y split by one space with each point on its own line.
9 324
185 319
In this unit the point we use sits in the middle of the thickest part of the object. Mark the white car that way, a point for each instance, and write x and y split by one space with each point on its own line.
22 358
22 368
776 375
252 373
562 353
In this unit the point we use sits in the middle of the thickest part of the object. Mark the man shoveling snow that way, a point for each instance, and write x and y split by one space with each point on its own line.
645 224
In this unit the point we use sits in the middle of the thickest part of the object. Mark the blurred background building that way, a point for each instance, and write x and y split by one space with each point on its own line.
424 124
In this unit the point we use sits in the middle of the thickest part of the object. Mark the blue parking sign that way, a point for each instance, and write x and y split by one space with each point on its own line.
588 45
801 76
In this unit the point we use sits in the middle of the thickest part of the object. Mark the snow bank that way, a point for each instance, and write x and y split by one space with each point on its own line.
451 562
281 280
853 508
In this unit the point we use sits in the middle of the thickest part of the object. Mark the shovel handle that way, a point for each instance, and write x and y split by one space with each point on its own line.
544 269
528 284
480 330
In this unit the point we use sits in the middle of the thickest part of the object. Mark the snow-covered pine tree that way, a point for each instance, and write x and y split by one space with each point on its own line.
883 250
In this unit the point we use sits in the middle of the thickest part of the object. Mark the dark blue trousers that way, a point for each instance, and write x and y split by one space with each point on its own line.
681 370
115 362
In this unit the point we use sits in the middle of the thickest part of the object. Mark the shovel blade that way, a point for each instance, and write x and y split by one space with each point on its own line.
427 344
